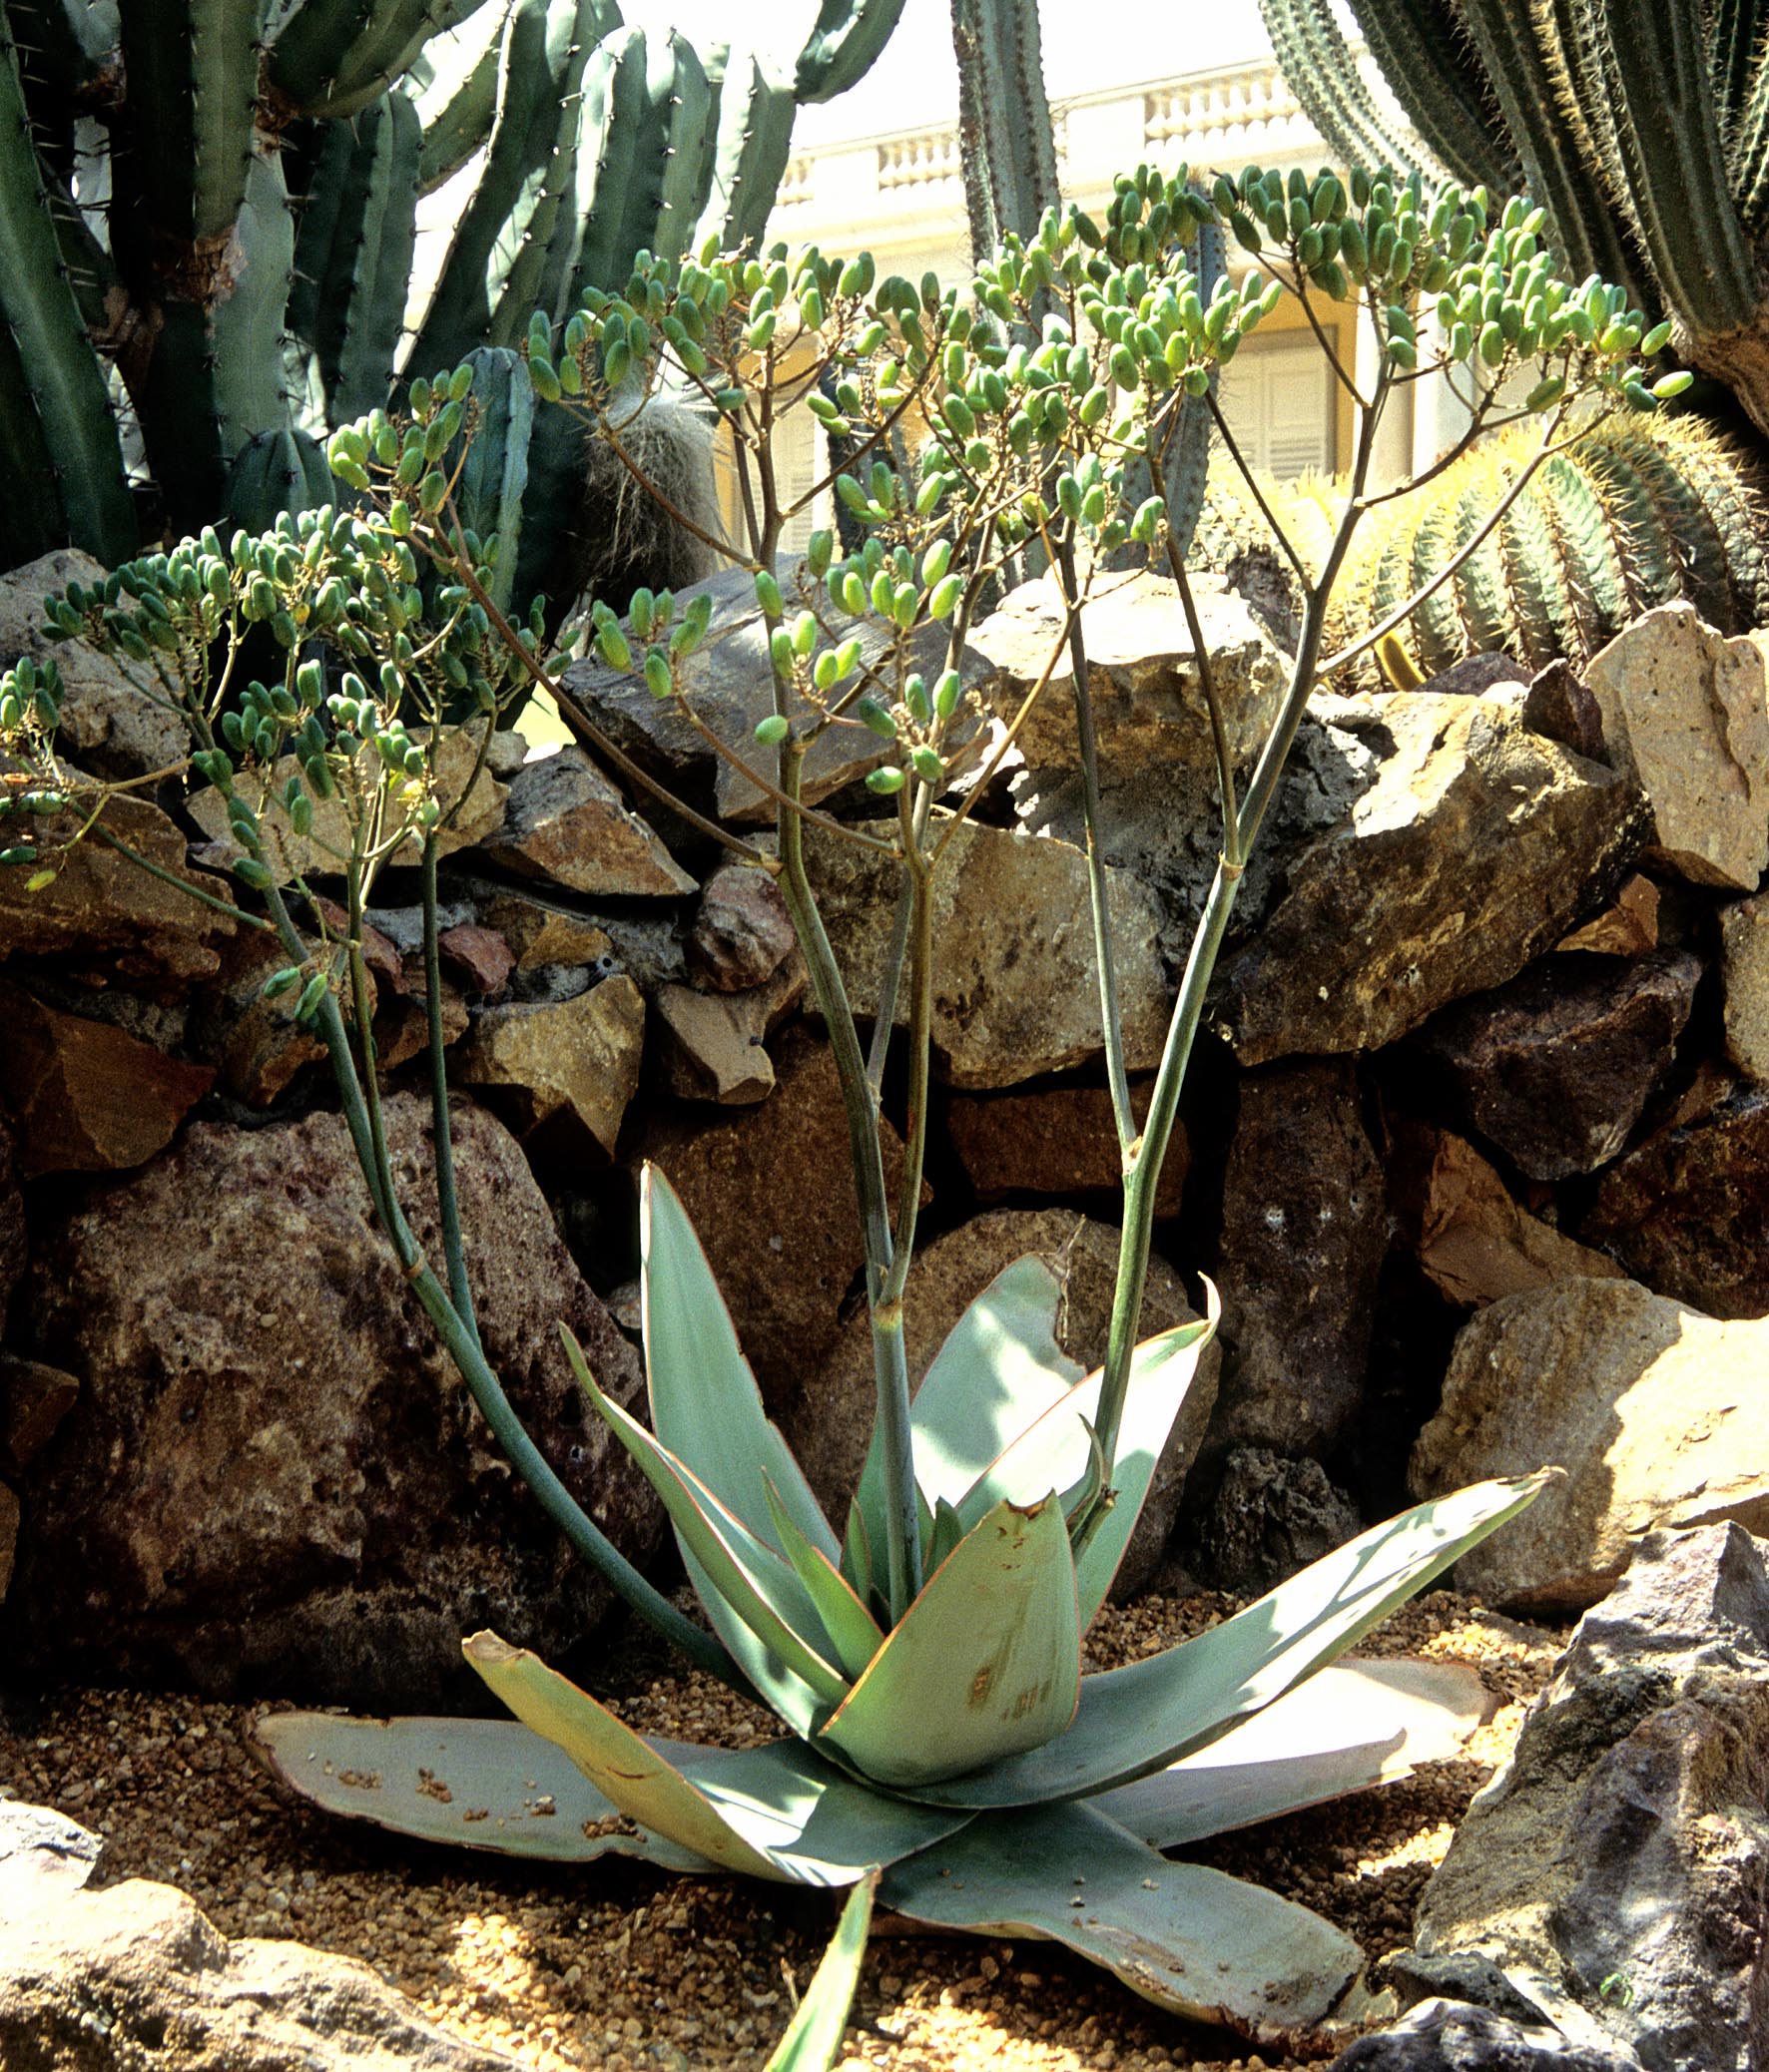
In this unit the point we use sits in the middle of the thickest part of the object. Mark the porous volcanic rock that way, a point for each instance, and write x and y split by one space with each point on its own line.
1479 846
273 1478
1688 1211
1305 1227
1267 1517
84 1096
1613 1872
1685 716
831 1422
1744 972
106 726
1657 1415
34 1398
565 823
1474 1242
105 915
1142 671
1555 1066
1014 990
13 1240
1442 2035
770 1192
1058 1140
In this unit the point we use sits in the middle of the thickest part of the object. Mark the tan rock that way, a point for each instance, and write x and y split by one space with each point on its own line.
1015 986
712 1042
1744 975
1062 1140
1656 1413
85 1097
287 853
567 823
108 726
104 913
567 1060
1475 1244
1142 670
538 931
833 1422
1686 717
1628 926
34 1398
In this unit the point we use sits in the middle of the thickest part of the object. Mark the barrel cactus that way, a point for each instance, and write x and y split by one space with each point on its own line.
1633 514
210 209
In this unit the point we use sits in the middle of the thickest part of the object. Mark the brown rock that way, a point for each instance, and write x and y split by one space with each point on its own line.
289 854
742 931
247 1497
106 914
574 1059
831 1423
256 1045
34 1398
1744 972
1474 675
1555 1066
1564 710
108 727
9 1516
1305 1229
1060 1141
13 1240
769 1191
537 930
481 958
1014 991
85 1097
1688 1210
712 1042
566 822
1657 1414
1628 926
1475 1244
1686 717
1473 851
133 1975
729 683
1142 671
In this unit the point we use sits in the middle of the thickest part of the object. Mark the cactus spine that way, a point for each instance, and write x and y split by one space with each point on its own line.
250 288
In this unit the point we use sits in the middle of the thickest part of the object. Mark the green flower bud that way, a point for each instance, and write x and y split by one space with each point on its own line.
773 729
659 679
642 613
928 765
767 594
1669 385
804 636
779 647
884 779
250 872
818 550
871 713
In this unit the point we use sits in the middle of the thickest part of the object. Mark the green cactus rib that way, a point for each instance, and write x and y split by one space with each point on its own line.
1421 42
457 109
546 45
1632 515
334 57
751 146
1007 144
1319 69
193 73
362 312
274 471
845 38
71 43
53 393
494 476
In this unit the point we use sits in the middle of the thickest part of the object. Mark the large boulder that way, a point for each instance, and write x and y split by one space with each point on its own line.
1657 1415
1686 718
134 1978
1015 986
1612 1875
1477 846
1555 1067
1688 1211
13 1242
831 1423
1744 975
273 1478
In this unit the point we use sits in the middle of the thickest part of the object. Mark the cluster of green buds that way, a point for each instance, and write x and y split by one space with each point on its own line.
665 641
408 455
30 708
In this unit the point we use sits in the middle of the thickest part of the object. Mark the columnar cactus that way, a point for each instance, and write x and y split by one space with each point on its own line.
187 308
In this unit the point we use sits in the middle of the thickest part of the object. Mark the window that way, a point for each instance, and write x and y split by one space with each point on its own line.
1278 403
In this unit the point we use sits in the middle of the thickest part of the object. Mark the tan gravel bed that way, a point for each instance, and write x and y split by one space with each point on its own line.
618 1968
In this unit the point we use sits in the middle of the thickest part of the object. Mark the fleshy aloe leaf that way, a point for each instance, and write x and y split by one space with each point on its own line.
776 1812
482 1784
813 2040
1355 1725
1138 1719
854 1632
985 1662
749 1585
856 1553
1198 1941
949 1530
704 1406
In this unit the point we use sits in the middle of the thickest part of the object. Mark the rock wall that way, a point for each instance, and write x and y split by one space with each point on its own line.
1479 1127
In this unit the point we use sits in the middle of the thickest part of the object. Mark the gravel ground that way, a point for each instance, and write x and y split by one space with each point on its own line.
618 1968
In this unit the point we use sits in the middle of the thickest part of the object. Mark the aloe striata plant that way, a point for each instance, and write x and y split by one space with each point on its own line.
924 1662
